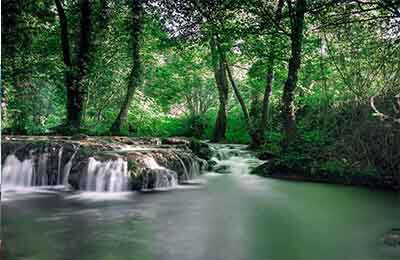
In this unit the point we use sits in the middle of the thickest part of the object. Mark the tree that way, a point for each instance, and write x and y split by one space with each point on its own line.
135 76
220 69
76 68
296 37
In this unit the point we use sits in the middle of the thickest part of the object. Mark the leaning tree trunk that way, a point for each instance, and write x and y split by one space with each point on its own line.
136 71
255 138
288 111
75 73
218 58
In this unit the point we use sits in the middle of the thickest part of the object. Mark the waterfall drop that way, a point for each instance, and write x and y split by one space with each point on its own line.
16 173
108 176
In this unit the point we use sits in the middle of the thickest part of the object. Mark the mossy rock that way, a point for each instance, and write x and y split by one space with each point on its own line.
201 149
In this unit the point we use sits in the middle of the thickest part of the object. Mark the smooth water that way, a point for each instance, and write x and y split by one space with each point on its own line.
222 217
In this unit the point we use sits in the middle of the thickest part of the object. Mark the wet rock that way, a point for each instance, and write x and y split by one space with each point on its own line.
211 164
175 141
201 149
392 238
223 169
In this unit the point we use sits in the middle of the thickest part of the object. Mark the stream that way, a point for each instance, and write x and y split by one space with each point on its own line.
216 216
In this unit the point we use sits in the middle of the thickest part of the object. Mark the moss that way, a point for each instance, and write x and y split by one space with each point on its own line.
133 167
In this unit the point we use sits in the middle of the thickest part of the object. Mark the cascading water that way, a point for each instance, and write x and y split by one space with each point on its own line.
67 169
60 153
108 176
42 179
57 165
185 171
17 173
36 170
156 176
235 158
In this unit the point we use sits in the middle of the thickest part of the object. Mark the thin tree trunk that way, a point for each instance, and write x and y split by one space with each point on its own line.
218 59
288 111
255 138
136 71
261 127
238 96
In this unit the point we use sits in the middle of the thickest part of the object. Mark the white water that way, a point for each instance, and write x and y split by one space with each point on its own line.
108 176
42 179
235 157
34 172
67 169
60 152
16 173
164 178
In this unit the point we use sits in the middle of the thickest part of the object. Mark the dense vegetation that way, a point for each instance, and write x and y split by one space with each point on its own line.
316 82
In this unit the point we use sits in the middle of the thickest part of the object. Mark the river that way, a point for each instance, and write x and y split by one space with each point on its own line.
216 217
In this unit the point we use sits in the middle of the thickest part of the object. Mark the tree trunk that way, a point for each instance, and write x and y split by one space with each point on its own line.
75 74
288 111
218 59
262 124
136 71
255 138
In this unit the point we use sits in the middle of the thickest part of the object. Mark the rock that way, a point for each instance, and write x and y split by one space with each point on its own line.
211 164
201 149
79 137
175 141
223 169
392 238
265 155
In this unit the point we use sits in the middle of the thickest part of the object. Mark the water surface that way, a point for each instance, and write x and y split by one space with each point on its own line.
219 217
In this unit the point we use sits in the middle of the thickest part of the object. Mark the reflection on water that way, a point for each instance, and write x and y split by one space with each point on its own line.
218 217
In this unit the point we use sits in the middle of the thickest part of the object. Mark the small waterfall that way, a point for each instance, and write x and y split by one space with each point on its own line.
156 176
226 151
17 173
235 158
60 152
109 176
186 172
36 169
42 178
67 170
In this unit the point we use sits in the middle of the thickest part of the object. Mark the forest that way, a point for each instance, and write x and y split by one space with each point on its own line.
200 129
312 83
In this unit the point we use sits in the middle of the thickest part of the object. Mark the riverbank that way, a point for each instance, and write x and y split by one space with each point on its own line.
294 171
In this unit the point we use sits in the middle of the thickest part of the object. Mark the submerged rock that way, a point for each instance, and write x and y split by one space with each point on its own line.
224 169
392 238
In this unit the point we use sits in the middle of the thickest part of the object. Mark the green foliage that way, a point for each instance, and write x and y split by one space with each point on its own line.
346 58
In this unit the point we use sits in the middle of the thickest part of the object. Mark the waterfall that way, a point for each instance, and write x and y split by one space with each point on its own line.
42 178
67 169
235 157
109 176
36 170
17 173
156 176
186 173
60 152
